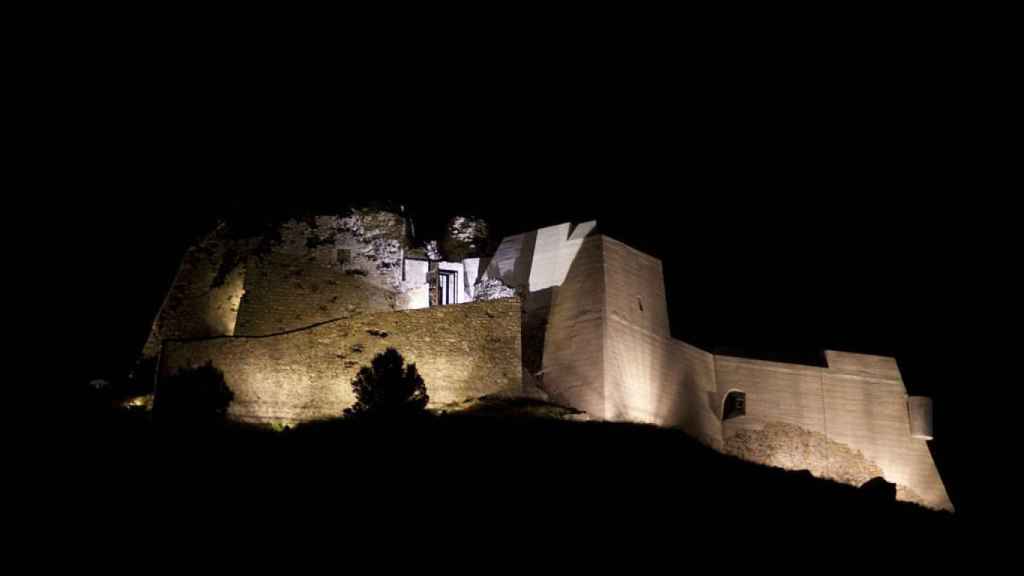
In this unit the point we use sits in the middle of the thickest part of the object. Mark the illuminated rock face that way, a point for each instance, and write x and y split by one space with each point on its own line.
322 269
298 273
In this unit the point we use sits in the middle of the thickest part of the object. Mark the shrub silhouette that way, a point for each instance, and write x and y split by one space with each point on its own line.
193 396
386 388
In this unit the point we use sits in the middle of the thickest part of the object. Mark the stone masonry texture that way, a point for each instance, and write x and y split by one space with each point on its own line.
463 352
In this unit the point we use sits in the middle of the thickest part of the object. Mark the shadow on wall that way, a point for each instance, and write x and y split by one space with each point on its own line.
536 310
521 269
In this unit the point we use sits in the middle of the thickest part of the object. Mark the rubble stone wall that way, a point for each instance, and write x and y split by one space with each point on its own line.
203 300
463 352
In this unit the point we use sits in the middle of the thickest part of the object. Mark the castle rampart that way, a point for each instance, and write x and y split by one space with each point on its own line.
588 328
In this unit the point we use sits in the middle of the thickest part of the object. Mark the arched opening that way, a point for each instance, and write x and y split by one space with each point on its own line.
734 405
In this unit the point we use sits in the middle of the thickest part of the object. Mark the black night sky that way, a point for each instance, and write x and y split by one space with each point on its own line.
795 208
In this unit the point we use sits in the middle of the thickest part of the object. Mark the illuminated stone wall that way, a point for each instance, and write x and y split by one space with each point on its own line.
287 293
287 277
687 397
204 298
463 352
592 333
636 332
573 342
855 413
776 392
538 260
321 269
607 349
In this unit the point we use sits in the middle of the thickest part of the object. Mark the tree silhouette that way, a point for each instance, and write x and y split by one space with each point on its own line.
388 388
193 396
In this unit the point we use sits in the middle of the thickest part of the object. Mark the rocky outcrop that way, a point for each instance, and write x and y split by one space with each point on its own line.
369 243
465 237
492 289
791 447
283 276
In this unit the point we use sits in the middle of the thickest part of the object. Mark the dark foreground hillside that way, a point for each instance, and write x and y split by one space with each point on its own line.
485 481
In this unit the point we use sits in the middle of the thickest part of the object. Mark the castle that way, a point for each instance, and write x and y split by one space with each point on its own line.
562 313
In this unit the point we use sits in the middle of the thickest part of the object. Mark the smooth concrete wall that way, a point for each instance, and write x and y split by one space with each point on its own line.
463 352
539 260
574 345
636 333
607 349
689 398
415 290
635 288
776 392
859 402
863 365
649 377
653 379
512 261
554 251
871 414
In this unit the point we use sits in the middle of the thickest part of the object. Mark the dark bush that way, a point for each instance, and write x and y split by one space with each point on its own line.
194 396
388 388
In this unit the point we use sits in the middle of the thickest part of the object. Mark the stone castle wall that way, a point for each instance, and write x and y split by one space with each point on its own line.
298 273
286 293
204 298
463 352
573 341
607 351
635 333
592 333
321 269
838 421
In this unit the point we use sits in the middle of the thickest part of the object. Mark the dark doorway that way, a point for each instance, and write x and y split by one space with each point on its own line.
735 405
448 292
